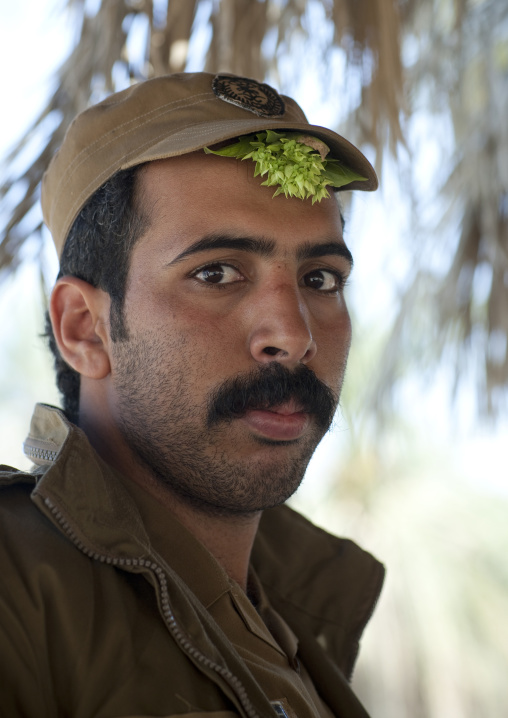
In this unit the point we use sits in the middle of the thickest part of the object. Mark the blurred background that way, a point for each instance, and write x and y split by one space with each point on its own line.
415 468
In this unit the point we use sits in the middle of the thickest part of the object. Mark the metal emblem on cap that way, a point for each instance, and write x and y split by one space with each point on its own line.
249 94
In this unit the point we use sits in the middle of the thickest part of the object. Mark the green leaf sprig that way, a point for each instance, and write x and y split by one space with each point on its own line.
293 161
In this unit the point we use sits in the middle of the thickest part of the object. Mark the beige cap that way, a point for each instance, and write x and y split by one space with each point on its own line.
164 117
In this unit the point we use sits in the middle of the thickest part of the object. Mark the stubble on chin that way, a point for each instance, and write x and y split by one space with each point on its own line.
218 469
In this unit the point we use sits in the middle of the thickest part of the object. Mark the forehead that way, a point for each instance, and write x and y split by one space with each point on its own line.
197 195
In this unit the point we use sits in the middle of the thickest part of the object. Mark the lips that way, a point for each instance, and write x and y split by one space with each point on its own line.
286 422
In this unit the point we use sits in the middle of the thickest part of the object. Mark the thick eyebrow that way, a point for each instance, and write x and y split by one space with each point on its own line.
262 247
311 251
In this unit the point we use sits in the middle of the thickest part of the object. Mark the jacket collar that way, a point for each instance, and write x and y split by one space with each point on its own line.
316 580
87 491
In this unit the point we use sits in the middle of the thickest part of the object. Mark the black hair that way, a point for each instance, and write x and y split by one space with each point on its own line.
98 250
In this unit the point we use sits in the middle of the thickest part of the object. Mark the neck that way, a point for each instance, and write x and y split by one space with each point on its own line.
229 539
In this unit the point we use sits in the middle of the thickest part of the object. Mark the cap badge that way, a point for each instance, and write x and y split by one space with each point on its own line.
249 94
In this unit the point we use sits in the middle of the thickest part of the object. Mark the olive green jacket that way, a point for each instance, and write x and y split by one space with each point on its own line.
95 624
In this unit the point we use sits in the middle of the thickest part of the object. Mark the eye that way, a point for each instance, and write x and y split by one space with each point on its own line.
218 274
324 281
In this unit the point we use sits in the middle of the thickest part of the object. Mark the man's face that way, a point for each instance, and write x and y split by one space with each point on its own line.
238 334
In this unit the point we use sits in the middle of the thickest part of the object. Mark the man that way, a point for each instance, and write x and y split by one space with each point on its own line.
201 337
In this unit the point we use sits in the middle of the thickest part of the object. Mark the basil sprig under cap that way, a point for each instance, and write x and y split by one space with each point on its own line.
293 161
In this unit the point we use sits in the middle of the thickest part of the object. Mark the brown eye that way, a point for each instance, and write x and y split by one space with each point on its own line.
322 280
218 274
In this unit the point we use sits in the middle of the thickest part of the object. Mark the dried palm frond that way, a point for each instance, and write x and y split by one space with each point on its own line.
371 34
459 75
103 61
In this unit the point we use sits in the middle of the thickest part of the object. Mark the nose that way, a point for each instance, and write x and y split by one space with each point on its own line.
281 328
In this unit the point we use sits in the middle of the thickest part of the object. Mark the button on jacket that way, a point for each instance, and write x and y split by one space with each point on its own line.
100 615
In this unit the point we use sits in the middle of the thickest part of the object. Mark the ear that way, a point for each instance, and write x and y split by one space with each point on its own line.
80 317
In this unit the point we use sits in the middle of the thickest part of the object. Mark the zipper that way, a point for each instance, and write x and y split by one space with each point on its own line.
32 452
169 618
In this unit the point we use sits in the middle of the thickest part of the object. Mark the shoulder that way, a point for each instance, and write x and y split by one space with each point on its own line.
38 563
16 507
33 552
19 517
320 583
294 543
46 580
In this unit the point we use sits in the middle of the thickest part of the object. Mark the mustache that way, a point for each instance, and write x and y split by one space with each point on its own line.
269 386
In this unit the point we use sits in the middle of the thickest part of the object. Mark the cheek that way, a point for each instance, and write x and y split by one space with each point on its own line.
211 338
333 342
